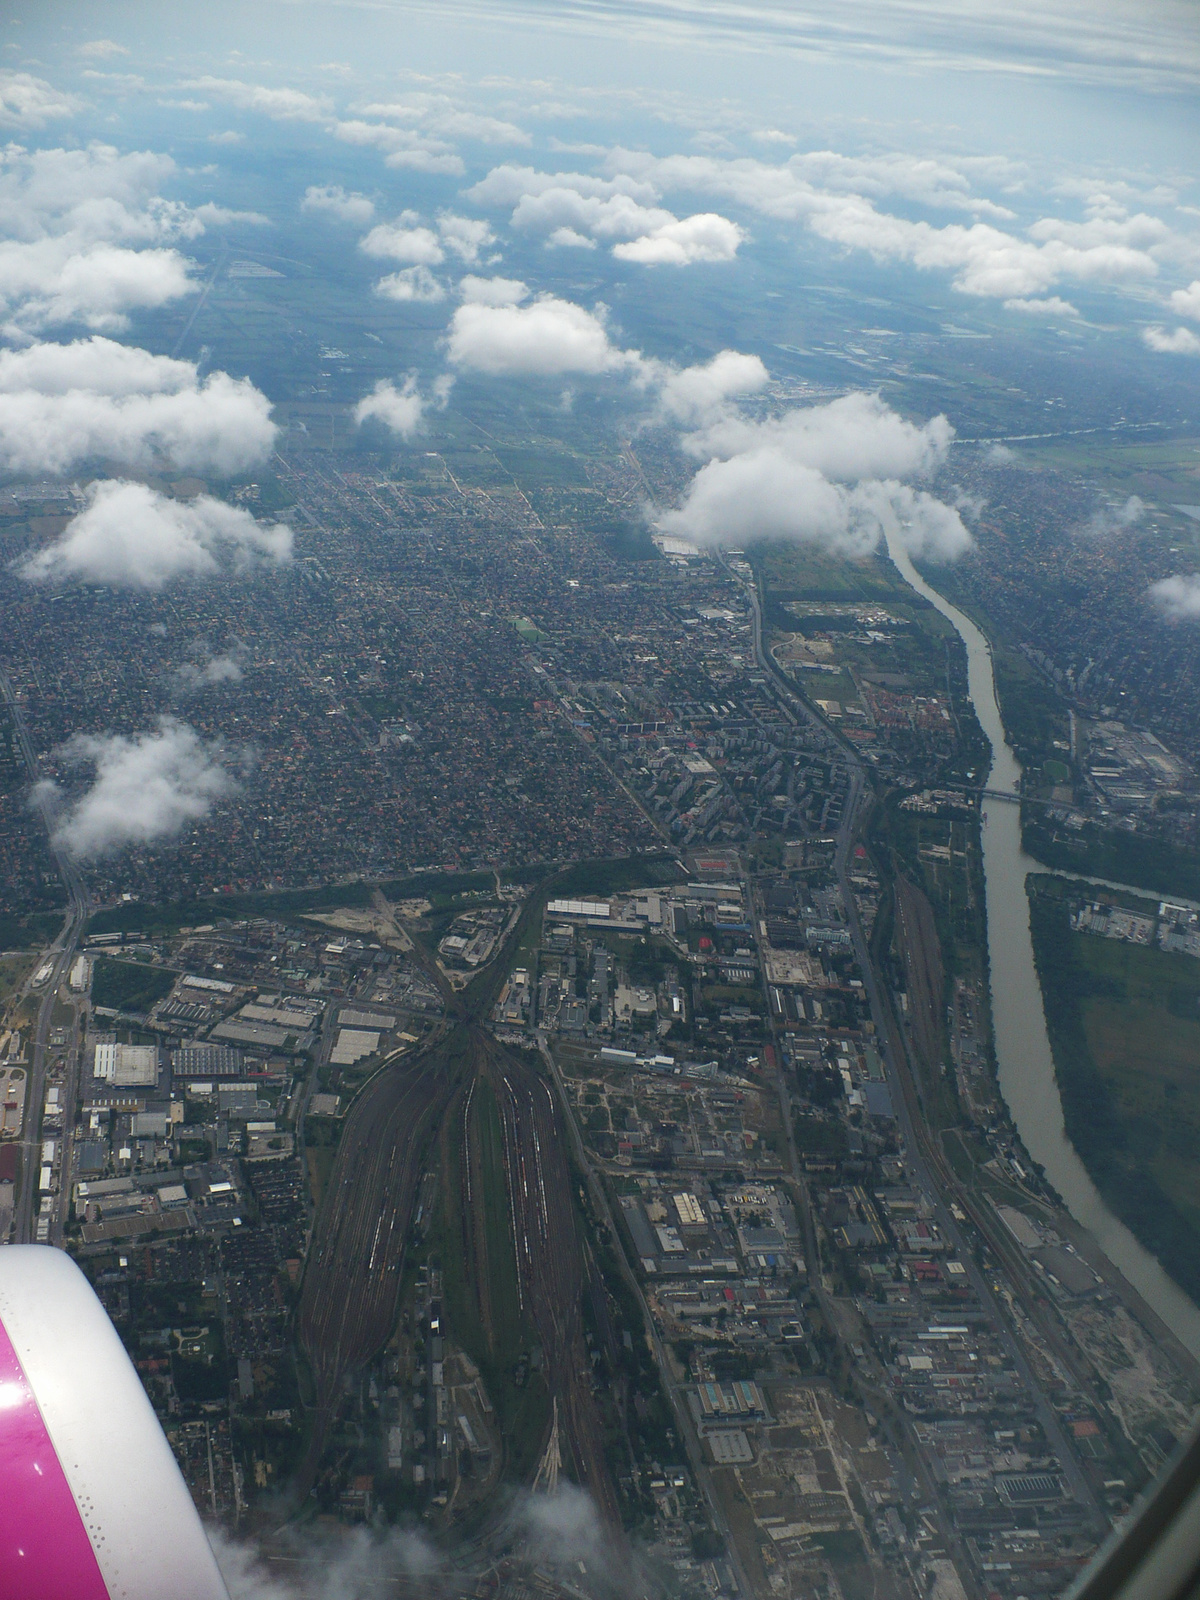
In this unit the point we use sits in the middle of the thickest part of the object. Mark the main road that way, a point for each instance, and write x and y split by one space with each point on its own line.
59 955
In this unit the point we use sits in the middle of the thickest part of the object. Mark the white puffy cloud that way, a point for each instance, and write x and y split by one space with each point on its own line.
1177 597
835 198
465 236
1186 302
569 239
411 283
404 240
332 200
1052 306
547 338
400 409
1178 342
62 404
493 291
131 537
144 790
49 283
574 209
856 436
704 237
281 105
440 115
827 475
86 236
29 102
402 147
698 394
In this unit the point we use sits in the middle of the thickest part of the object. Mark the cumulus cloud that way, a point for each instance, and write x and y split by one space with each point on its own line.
131 537
87 237
548 338
332 200
404 240
412 242
1178 342
281 105
61 404
29 102
698 394
400 409
1177 597
704 237
440 115
49 283
403 147
464 236
856 436
834 197
826 475
574 209
145 789
493 291
1186 302
411 283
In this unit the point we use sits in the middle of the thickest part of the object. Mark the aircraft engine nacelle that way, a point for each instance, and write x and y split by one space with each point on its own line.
92 1504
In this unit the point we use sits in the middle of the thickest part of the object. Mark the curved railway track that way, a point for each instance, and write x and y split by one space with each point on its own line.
350 1292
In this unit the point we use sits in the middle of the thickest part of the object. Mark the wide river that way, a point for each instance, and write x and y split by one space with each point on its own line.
1026 1066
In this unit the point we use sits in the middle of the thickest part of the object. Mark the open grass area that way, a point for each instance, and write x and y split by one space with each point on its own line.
128 985
13 972
1124 1026
29 932
1143 1031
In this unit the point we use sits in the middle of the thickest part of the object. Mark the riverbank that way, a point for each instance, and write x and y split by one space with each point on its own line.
1024 1057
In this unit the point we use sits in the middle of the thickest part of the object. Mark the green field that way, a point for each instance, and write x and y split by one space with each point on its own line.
128 985
1145 1040
1124 1025
27 933
1135 859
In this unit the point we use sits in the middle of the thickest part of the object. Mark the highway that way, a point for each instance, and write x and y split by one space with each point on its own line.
60 955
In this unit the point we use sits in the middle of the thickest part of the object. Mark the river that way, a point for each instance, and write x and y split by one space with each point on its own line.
1023 1054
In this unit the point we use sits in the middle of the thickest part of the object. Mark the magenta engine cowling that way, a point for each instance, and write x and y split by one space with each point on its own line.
92 1504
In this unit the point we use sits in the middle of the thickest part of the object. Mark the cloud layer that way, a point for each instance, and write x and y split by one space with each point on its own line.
131 537
62 404
145 789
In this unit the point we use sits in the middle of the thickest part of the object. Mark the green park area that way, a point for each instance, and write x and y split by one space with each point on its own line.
129 985
1124 1023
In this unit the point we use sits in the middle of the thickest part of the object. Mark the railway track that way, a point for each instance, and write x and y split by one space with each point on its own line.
351 1284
